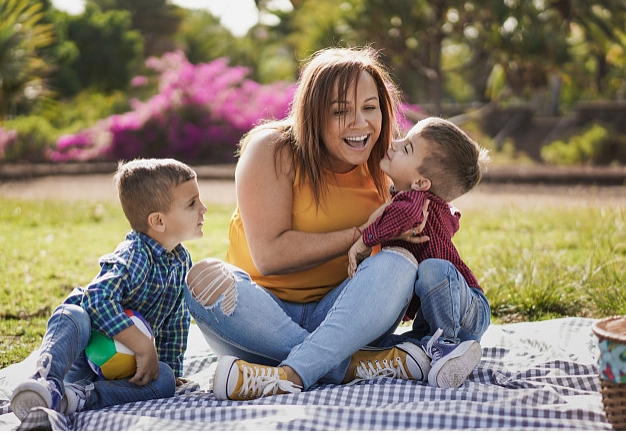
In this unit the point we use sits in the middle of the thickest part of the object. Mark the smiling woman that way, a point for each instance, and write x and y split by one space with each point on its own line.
282 305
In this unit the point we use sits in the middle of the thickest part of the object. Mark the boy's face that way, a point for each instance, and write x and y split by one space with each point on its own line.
185 217
402 160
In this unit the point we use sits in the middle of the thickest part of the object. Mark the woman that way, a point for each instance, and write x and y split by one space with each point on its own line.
281 312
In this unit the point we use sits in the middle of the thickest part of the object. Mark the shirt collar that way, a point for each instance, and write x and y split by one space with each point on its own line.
156 247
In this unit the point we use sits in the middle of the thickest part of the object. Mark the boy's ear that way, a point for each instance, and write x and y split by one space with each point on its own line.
155 221
421 184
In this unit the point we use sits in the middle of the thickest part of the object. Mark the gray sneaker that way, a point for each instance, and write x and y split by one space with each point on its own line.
74 398
37 391
451 362
40 392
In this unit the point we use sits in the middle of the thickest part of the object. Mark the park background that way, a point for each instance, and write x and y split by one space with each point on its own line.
536 81
541 83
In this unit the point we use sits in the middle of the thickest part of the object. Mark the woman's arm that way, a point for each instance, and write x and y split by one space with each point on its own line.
265 199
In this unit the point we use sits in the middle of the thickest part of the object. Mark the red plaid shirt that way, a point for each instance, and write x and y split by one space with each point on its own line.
404 213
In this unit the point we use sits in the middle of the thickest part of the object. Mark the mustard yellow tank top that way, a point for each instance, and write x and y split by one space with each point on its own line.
352 197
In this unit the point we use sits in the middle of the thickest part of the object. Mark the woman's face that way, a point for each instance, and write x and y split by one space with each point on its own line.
353 125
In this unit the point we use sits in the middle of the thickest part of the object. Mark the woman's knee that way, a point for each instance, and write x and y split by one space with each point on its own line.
208 280
403 252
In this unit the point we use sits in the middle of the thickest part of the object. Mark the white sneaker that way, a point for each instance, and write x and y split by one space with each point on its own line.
37 391
74 399
451 362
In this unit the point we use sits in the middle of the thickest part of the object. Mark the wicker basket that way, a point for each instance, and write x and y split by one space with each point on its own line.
611 333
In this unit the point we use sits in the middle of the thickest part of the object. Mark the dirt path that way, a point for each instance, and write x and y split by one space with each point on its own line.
101 188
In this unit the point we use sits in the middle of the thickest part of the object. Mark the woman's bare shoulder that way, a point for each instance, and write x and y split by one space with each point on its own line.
265 150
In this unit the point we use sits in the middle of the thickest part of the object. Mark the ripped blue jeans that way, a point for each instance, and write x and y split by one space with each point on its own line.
316 339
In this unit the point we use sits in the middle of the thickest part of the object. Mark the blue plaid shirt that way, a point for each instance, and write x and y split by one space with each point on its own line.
143 276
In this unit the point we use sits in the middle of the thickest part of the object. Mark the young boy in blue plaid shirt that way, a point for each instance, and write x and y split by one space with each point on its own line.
146 273
433 165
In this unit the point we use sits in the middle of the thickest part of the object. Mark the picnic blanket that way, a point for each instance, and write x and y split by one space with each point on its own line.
532 376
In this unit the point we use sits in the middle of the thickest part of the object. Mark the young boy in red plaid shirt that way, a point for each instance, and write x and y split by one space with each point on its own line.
433 165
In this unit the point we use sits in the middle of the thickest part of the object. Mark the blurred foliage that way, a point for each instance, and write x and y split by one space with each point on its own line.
597 145
157 21
199 112
22 35
118 55
443 54
31 139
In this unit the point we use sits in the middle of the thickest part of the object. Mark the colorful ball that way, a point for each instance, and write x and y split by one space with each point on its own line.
111 359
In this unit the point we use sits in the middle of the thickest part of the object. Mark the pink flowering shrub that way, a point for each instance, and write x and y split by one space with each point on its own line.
199 114
7 139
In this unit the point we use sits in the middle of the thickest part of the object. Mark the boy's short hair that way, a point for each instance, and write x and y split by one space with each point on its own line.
454 163
145 186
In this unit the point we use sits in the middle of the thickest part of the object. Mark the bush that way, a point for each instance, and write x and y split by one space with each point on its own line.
27 138
597 145
200 113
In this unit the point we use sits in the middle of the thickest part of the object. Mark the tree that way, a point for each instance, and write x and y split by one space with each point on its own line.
22 69
111 52
599 26
411 35
157 20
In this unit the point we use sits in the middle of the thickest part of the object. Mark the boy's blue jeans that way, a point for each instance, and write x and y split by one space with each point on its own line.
447 302
316 339
65 340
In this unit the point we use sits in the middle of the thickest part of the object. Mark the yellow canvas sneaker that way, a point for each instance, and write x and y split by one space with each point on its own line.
236 379
404 361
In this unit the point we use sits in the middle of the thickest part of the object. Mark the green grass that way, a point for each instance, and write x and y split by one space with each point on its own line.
533 265
50 247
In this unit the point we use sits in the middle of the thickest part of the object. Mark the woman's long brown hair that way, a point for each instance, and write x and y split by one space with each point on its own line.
309 113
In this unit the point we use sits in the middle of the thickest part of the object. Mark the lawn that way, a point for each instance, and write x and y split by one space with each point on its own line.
546 264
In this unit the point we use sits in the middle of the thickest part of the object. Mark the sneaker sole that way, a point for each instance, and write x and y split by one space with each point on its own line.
220 379
27 396
452 372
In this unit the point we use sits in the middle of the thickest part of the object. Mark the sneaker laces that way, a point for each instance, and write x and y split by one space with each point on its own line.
262 381
435 353
43 366
75 398
378 370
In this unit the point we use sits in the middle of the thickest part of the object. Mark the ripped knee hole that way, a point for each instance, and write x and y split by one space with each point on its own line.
208 280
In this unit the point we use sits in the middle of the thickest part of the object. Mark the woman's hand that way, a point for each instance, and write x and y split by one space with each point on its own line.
358 252
413 235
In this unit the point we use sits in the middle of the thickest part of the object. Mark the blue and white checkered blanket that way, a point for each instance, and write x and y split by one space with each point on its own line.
532 376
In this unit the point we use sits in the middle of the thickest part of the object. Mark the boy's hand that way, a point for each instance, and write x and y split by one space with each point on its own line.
357 253
145 355
182 381
147 367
